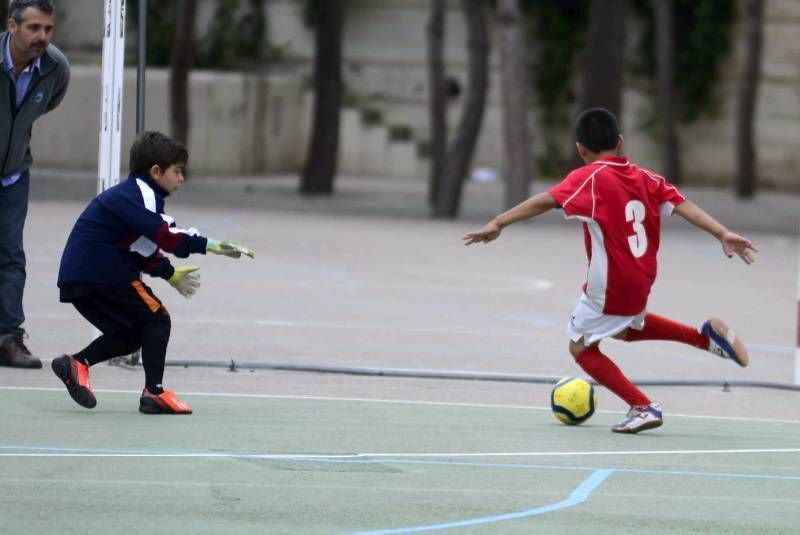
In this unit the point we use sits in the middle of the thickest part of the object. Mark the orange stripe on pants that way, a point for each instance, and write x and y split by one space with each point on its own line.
151 303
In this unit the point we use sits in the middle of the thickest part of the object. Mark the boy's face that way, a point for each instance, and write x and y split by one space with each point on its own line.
169 179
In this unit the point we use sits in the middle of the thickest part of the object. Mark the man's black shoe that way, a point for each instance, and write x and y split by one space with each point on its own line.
14 354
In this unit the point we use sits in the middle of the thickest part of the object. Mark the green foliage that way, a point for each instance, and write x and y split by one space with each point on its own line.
702 41
558 32
311 12
160 30
558 28
235 38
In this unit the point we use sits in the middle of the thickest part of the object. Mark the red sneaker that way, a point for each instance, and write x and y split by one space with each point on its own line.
75 375
165 403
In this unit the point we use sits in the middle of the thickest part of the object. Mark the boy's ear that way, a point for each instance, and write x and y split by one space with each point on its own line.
620 144
582 151
155 171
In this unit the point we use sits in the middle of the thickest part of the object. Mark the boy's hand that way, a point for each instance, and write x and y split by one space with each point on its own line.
488 233
234 250
185 280
733 243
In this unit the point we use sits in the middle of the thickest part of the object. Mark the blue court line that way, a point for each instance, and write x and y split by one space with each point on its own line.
579 495
549 467
319 458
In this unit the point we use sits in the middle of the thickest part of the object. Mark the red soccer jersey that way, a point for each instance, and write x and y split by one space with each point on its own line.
620 205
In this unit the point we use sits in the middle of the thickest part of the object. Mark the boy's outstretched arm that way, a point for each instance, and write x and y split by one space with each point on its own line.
731 242
536 205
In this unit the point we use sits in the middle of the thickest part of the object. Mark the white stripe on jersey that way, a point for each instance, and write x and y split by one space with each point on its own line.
597 278
660 179
142 245
177 230
148 195
590 178
597 275
666 209
604 162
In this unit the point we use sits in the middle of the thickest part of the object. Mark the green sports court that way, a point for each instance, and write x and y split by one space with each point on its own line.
263 464
354 282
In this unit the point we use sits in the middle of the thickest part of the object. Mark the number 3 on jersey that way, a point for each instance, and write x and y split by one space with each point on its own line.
634 211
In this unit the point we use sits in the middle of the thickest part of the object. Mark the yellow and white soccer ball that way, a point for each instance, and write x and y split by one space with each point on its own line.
573 400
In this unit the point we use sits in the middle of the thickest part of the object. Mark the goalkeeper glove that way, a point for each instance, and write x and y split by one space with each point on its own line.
185 280
234 250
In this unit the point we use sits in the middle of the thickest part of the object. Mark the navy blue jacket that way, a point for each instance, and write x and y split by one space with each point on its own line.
121 233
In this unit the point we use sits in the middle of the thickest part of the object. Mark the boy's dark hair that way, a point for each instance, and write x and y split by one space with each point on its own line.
154 148
18 7
597 130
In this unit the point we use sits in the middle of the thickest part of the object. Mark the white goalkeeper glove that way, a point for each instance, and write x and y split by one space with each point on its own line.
226 248
185 280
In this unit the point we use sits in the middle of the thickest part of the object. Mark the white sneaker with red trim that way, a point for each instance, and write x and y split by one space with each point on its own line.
640 418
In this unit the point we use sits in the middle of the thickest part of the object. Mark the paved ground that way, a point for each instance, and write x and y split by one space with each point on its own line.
364 278
259 464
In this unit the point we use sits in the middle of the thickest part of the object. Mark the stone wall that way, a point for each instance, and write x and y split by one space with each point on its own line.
244 123
241 124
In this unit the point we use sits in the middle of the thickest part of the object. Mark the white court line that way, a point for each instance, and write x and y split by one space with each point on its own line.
396 455
399 401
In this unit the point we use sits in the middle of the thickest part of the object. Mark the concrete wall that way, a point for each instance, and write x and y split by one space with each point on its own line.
384 49
241 123
252 124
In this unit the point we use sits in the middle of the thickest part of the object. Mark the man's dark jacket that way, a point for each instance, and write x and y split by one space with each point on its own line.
46 90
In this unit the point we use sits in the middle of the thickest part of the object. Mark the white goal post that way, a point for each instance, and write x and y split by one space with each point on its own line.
797 342
108 158
110 146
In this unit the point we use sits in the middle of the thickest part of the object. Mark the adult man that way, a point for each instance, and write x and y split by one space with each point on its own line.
33 79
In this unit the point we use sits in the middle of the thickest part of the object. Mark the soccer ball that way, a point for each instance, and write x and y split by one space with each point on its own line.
573 400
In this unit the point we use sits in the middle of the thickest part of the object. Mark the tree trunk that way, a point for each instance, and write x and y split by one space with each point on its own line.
665 67
515 91
320 167
438 99
748 91
180 65
459 153
604 58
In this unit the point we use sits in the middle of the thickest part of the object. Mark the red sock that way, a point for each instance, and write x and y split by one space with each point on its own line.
660 328
605 372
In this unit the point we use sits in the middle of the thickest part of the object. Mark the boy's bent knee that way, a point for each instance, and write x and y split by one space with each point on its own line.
160 325
576 348
162 319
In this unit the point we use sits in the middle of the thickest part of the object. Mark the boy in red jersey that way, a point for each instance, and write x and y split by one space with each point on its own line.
620 206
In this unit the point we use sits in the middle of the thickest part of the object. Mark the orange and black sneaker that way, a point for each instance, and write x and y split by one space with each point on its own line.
75 375
164 403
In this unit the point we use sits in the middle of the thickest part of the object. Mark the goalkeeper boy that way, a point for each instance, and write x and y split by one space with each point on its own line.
121 233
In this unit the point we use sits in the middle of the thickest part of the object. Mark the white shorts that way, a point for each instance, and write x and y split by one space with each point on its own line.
589 322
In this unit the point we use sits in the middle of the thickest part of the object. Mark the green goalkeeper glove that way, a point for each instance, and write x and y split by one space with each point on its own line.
185 280
234 250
